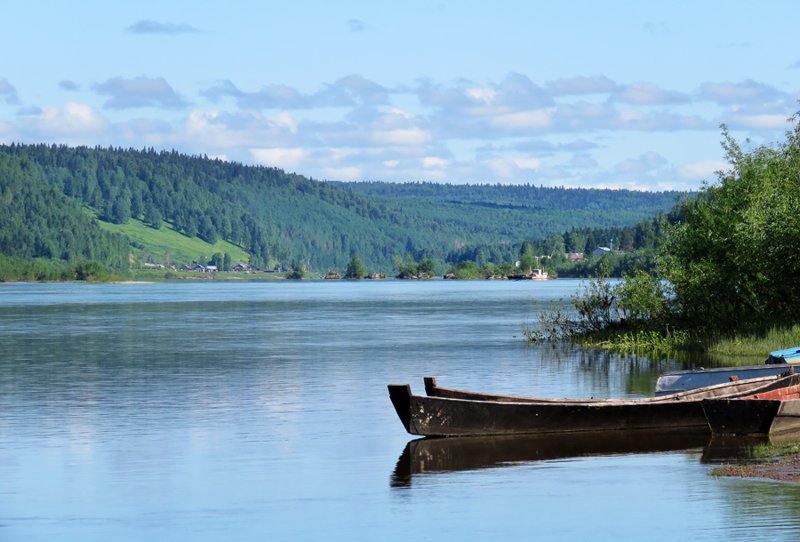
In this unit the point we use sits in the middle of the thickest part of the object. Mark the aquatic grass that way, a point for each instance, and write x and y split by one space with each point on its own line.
753 345
646 341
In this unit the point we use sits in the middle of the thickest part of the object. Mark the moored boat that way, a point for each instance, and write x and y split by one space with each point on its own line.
775 364
475 413
768 413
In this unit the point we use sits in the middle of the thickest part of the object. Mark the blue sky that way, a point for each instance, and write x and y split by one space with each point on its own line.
611 94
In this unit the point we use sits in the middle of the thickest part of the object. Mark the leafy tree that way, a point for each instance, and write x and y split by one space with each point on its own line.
355 269
427 267
298 271
735 257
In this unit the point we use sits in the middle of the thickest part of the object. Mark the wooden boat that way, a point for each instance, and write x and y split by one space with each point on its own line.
767 413
775 363
475 414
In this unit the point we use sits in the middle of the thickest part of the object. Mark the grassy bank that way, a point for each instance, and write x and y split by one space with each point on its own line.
742 347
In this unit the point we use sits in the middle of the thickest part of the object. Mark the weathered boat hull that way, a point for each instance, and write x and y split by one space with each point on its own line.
678 381
501 415
436 416
776 363
767 414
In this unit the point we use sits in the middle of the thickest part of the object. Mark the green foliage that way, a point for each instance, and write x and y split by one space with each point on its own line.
465 270
595 304
298 271
427 267
165 245
735 257
88 270
355 269
406 268
38 221
642 296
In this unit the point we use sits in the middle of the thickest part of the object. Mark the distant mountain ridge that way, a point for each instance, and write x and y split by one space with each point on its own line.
283 218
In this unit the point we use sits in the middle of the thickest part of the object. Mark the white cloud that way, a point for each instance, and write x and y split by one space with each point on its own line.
348 173
139 92
649 94
645 164
482 94
279 157
285 120
748 91
391 163
527 163
523 120
760 122
72 120
405 136
702 170
434 162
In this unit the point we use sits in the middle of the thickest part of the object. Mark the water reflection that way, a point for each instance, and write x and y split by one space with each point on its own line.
439 455
436 455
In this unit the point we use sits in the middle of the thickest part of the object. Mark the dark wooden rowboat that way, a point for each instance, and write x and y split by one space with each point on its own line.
484 414
769 413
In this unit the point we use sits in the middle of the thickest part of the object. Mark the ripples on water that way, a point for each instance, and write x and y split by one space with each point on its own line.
259 411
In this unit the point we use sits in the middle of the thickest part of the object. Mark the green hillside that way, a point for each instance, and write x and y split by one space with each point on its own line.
165 245
166 205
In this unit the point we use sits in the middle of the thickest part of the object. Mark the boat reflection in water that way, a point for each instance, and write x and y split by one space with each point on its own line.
437 455
440 455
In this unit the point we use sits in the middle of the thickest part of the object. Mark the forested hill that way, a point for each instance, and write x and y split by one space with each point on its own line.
522 196
274 216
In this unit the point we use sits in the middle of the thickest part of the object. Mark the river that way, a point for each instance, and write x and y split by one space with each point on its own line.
258 411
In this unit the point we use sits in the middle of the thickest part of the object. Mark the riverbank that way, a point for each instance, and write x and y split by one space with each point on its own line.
782 469
774 461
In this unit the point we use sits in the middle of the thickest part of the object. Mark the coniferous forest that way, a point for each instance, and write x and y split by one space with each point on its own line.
56 201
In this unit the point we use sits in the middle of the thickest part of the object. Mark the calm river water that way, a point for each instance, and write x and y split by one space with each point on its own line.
259 411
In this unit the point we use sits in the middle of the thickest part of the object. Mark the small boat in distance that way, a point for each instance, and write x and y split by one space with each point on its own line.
767 413
532 274
775 364
462 413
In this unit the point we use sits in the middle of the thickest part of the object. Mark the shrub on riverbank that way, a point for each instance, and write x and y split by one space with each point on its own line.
726 276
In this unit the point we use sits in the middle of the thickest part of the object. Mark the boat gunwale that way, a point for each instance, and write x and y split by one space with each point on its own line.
751 386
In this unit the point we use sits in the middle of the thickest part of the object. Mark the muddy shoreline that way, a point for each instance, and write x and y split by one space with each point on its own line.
784 468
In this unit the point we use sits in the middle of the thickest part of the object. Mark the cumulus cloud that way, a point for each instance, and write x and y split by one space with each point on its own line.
649 94
645 164
513 168
759 122
74 122
8 92
348 91
149 26
285 158
405 136
347 173
535 120
702 170
139 92
745 92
